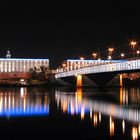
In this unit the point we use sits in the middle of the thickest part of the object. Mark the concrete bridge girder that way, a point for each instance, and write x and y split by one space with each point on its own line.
95 80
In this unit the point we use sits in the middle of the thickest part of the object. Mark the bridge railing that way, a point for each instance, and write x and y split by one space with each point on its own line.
114 67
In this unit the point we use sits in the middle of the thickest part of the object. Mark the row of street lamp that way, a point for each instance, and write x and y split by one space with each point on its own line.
111 50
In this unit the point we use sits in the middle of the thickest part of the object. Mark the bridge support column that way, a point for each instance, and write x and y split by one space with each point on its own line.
121 80
79 81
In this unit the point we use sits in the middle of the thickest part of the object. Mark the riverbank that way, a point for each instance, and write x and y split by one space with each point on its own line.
126 82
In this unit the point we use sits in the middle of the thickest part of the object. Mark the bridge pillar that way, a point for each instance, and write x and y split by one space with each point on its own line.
79 81
121 80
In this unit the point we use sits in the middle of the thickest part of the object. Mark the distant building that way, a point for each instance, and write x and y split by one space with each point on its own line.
17 67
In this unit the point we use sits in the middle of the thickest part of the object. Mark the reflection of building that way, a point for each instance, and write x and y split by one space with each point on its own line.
15 67
14 104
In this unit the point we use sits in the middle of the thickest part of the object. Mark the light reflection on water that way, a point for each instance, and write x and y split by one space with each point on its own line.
127 108
14 104
85 104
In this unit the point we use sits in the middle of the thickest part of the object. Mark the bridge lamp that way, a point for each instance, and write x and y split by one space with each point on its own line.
109 57
133 44
138 52
122 55
64 65
110 51
94 55
81 58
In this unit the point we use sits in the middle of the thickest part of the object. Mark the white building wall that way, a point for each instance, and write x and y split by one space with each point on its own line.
21 65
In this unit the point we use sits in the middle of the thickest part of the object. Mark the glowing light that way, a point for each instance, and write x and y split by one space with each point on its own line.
94 55
79 94
82 113
139 129
134 133
64 106
138 52
95 119
90 113
122 55
121 80
109 57
111 49
81 58
79 80
100 117
123 126
64 65
133 43
111 126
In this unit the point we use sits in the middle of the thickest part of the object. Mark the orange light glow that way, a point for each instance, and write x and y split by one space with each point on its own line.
111 49
133 43
79 80
95 119
111 126
81 58
134 133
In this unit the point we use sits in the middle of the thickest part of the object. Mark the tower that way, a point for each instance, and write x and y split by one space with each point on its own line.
8 55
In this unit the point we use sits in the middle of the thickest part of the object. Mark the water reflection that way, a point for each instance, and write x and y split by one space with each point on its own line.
127 109
21 103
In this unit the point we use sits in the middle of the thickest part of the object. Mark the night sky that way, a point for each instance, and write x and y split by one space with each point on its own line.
59 31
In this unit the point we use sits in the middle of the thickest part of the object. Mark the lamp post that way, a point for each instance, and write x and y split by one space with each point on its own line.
133 44
64 67
94 55
110 53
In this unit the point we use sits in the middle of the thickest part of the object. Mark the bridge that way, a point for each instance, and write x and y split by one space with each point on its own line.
100 73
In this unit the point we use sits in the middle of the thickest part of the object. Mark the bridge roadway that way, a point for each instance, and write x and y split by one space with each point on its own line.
120 67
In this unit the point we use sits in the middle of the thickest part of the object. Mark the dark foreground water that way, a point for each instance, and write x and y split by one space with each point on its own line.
109 113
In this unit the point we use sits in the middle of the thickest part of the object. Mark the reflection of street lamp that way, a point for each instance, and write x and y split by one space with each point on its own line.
110 53
133 44
94 55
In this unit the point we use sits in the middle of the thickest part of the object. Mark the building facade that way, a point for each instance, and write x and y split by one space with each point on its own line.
20 66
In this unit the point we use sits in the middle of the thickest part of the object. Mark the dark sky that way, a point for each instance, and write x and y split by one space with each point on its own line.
59 31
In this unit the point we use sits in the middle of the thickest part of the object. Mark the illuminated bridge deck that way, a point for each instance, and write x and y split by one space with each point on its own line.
131 65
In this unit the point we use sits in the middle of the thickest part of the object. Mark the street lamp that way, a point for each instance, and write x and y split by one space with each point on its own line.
122 55
109 57
94 55
110 52
81 58
133 44
64 66
138 52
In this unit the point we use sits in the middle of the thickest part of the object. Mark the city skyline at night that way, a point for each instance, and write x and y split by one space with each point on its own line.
34 30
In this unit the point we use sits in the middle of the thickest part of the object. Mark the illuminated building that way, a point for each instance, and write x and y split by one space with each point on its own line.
21 65
17 66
